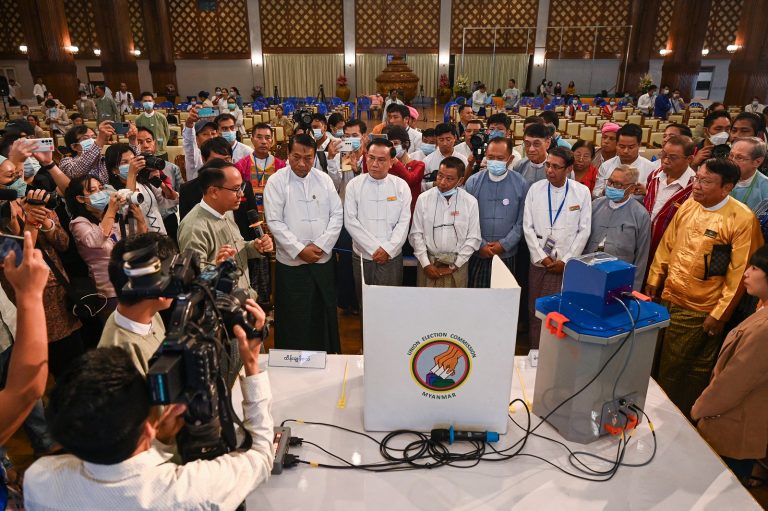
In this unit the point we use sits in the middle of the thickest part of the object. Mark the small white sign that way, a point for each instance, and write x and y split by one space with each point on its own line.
297 358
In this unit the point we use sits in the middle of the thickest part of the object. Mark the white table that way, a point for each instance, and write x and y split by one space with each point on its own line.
685 474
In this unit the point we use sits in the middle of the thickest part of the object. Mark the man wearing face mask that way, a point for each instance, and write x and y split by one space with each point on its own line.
404 166
446 229
428 145
645 103
377 214
498 127
154 122
677 104
628 153
755 107
56 119
124 99
536 140
446 138
168 182
86 107
621 226
326 157
717 128
500 196
336 125
662 104
227 129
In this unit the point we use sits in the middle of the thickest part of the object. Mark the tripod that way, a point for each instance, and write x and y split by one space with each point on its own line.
321 94
421 103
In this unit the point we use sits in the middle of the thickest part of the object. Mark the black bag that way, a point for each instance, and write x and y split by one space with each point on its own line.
716 264
83 299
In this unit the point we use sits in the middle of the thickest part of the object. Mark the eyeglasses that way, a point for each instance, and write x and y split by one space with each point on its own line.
620 186
703 182
671 157
239 190
739 158
550 165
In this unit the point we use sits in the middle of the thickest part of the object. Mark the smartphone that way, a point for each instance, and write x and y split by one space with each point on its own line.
10 242
121 128
205 112
42 145
346 146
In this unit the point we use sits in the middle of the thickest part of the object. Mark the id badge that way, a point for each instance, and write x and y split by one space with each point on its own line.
549 246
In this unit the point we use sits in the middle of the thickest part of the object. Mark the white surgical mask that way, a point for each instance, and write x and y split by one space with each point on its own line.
719 138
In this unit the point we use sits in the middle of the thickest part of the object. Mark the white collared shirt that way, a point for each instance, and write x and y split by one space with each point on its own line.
720 205
432 163
132 326
150 481
415 137
443 226
212 211
665 191
462 149
301 211
643 166
377 213
240 151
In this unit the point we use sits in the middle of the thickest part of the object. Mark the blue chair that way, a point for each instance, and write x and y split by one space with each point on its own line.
288 109
585 107
310 100
447 110
696 105
322 108
550 106
364 105
538 102
351 107
165 104
336 102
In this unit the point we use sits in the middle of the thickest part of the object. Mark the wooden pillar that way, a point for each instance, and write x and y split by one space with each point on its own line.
116 42
46 35
748 73
643 18
686 39
157 30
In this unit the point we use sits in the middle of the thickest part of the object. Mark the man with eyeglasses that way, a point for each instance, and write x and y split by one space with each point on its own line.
305 215
621 226
749 154
446 229
669 186
536 140
700 263
377 214
210 229
629 137
556 224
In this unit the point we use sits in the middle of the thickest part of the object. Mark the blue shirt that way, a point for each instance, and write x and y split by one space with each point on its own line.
662 106
753 194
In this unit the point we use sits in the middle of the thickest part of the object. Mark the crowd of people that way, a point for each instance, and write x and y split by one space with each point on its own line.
349 205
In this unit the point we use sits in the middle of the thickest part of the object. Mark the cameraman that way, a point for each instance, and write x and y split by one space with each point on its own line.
85 148
167 180
136 325
100 413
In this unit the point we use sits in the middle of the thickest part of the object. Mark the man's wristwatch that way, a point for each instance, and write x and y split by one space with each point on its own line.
48 167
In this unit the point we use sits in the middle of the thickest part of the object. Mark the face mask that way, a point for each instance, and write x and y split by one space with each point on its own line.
666 91
450 193
614 194
575 103
31 166
20 186
719 138
124 171
399 151
99 200
317 133
496 134
613 103
86 144
231 106
428 148
51 112
497 167
339 134
82 98
229 136
676 96
148 105
355 143
755 103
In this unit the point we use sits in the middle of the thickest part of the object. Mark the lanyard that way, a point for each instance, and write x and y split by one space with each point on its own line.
263 170
560 209
749 190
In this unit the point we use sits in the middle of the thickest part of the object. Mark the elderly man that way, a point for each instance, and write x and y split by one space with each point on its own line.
749 154
621 226
630 136
536 140
446 229
195 133
377 214
556 224
607 143
446 140
305 215
669 186
500 195
700 263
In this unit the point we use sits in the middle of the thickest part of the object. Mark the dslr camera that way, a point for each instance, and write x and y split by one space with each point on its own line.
302 116
153 162
198 361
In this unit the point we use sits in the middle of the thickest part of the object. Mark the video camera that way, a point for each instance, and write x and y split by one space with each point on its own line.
198 361
302 117
478 142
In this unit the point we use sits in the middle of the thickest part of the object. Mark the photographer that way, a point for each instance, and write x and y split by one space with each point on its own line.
40 171
136 325
168 178
27 372
100 413
85 150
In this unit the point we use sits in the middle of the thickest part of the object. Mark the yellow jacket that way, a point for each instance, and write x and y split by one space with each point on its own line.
680 258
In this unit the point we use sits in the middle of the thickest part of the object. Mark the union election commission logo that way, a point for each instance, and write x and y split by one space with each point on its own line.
441 363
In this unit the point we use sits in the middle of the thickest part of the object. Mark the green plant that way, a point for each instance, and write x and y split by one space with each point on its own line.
645 81
461 85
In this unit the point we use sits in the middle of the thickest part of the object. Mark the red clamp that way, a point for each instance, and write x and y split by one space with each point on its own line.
554 323
616 430
640 296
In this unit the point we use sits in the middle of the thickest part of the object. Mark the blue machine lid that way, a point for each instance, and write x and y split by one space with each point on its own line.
583 322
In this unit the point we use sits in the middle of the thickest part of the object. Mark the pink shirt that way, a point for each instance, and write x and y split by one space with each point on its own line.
95 249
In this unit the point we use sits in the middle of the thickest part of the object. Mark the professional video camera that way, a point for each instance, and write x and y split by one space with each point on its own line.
302 116
478 143
198 361
51 200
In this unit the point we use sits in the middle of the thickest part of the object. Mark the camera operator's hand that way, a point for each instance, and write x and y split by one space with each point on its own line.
133 132
250 348
225 252
30 278
141 222
137 163
170 423
45 158
21 150
36 215
105 133
264 244
193 117
333 149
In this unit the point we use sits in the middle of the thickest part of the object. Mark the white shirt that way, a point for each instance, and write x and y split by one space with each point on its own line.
239 151
443 226
419 155
462 149
334 164
572 226
124 100
720 205
643 166
415 136
150 481
377 213
478 100
39 90
301 211
193 160
665 191
645 102
432 163
754 109
131 325
212 211
388 102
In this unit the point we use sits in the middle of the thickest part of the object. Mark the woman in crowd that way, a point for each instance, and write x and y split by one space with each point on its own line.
281 120
35 122
558 89
235 93
411 171
233 109
731 413
583 170
95 230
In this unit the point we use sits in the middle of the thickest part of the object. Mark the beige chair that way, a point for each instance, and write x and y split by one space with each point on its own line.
588 133
693 123
592 120
678 118
594 110
598 139
651 123
130 117
646 134
580 116
573 128
518 130
248 141
559 109
620 116
562 124
649 153
656 138
248 123
600 123
174 151
183 116
635 119
92 125
662 126
523 111
279 134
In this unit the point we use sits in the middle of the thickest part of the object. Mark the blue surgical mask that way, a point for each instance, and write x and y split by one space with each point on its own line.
148 105
614 194
100 200
124 171
428 149
231 106
31 166
339 134
497 167
229 136
450 193
20 186
355 143
317 133
496 134
399 151
86 143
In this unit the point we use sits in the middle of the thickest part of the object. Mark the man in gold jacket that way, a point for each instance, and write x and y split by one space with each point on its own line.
699 264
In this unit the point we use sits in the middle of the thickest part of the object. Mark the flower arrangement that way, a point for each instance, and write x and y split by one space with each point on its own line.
645 81
444 83
461 85
341 81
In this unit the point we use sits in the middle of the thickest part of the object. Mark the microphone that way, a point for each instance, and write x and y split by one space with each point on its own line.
451 435
255 223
